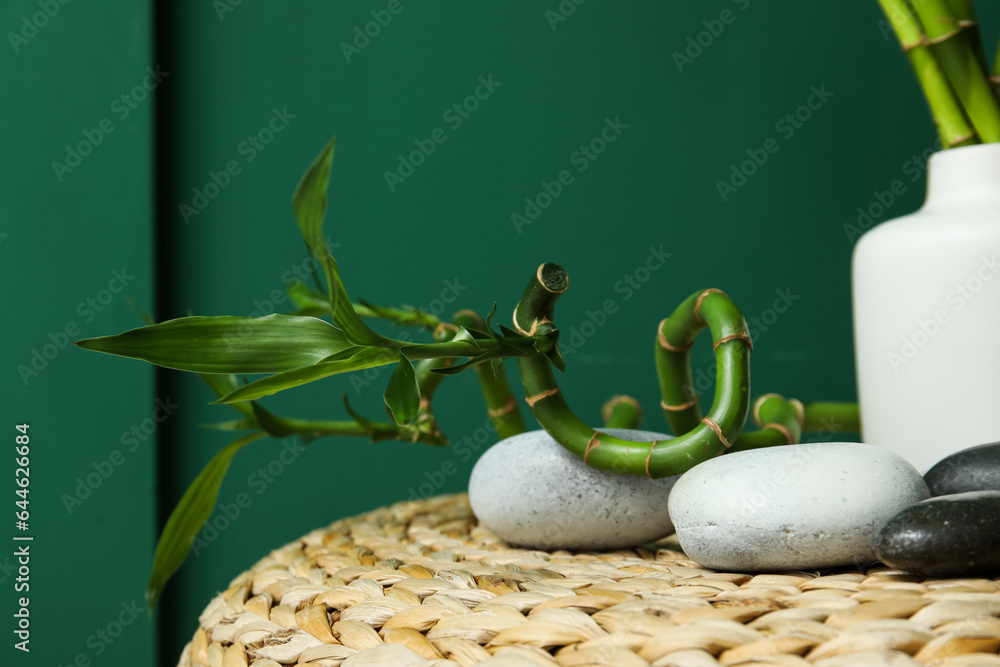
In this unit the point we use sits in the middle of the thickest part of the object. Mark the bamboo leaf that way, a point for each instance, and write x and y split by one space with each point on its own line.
309 206
555 355
193 510
364 357
227 344
489 320
403 393
466 335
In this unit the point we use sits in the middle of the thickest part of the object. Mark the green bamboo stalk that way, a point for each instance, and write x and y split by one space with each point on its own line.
964 14
779 421
961 67
673 368
501 406
952 124
506 346
832 417
317 304
379 430
398 316
716 432
621 411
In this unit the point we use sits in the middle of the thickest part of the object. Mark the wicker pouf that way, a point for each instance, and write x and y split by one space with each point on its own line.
422 584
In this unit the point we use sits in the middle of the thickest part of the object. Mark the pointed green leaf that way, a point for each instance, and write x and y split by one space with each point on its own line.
365 357
466 335
309 199
496 364
227 344
191 513
402 396
555 355
489 320
309 205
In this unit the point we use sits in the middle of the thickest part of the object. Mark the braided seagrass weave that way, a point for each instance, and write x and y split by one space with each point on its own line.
422 584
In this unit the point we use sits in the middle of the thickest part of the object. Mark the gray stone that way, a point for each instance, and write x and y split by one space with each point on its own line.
972 469
947 536
531 492
791 507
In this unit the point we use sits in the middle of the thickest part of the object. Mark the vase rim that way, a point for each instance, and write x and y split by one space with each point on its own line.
962 176
965 150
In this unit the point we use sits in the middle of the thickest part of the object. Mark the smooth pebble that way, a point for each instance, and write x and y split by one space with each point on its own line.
532 492
791 507
946 536
973 469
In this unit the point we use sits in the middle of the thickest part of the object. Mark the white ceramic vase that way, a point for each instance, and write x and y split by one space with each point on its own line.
926 292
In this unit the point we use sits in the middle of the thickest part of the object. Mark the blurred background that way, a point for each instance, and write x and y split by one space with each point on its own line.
150 154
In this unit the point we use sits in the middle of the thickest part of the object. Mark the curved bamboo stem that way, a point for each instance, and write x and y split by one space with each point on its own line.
708 308
779 421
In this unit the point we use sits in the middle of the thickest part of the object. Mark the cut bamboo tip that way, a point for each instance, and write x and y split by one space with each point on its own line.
611 403
666 344
552 277
759 402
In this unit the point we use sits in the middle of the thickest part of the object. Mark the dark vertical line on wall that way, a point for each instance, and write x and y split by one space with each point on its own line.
165 258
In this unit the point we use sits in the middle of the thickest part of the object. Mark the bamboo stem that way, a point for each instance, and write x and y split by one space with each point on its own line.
398 316
832 418
519 346
621 412
501 406
964 14
961 66
952 124
716 432
673 368
377 430
317 304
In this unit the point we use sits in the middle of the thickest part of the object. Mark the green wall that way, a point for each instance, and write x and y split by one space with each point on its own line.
685 117
74 246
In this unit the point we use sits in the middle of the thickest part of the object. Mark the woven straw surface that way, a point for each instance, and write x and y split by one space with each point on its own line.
422 584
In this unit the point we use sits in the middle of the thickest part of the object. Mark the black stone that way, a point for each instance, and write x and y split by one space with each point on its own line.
947 536
972 469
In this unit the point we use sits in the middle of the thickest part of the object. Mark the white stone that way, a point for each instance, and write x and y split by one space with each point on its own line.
532 492
792 507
